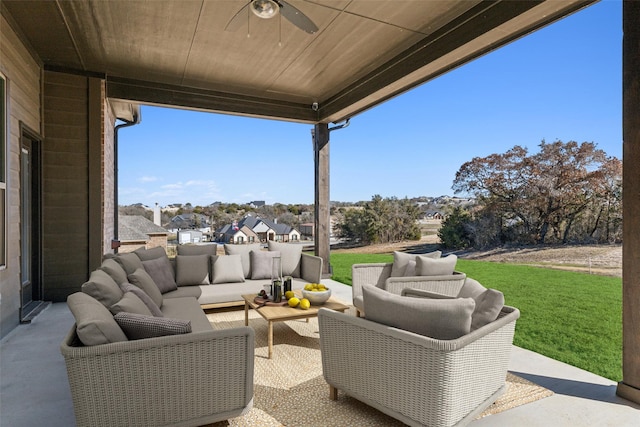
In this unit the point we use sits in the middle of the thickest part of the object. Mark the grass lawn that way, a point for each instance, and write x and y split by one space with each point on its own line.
572 317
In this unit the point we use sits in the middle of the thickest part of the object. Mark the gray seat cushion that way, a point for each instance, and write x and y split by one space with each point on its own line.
187 309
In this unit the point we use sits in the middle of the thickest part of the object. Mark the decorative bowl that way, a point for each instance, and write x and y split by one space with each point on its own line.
315 297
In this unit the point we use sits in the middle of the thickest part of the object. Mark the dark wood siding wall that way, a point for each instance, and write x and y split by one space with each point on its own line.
72 217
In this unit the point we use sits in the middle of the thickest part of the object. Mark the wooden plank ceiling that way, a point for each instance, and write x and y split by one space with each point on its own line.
179 53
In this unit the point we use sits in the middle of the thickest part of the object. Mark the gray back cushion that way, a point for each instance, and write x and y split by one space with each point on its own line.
103 288
404 264
192 270
130 262
141 279
262 264
243 251
426 266
190 250
291 254
226 269
444 319
148 254
131 304
94 323
161 271
114 269
146 299
488 307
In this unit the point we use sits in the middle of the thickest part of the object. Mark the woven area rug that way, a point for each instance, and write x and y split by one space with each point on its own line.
290 390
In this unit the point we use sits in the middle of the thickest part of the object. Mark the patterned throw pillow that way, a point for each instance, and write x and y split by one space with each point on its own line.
138 326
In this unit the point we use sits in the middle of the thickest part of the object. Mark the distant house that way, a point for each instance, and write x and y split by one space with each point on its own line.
257 203
136 231
231 233
433 215
257 229
190 236
190 221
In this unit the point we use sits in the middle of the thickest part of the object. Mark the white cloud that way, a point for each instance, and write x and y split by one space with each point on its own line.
148 178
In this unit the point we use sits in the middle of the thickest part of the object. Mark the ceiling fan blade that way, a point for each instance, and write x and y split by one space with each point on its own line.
238 19
297 18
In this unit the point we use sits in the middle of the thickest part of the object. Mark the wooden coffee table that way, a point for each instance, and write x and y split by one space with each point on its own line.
274 314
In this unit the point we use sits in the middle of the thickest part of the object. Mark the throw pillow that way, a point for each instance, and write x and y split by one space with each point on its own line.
192 270
401 262
146 299
103 288
243 251
488 307
136 326
227 269
141 279
291 254
149 254
426 266
471 289
191 250
94 323
444 319
114 269
129 262
161 272
262 264
131 304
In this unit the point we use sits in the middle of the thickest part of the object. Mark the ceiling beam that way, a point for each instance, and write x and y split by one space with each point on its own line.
201 99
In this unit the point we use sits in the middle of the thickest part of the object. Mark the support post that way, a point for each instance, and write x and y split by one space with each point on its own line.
322 226
629 387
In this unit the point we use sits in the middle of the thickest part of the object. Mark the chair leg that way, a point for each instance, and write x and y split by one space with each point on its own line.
333 393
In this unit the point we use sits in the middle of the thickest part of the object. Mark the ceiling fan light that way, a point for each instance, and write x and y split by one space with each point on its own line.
264 9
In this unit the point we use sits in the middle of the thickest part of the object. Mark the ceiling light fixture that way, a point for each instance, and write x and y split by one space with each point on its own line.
264 9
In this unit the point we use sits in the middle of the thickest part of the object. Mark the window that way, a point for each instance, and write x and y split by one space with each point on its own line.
3 175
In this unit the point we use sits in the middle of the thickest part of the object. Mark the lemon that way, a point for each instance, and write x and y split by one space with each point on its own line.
308 287
289 295
293 302
305 304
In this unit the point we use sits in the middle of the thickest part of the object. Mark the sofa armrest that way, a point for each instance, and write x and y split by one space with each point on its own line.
369 274
413 377
311 268
449 285
188 379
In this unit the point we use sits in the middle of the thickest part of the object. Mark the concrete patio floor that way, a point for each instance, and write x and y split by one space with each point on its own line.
35 392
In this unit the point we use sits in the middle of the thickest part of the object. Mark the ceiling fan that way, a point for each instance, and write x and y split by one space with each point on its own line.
267 9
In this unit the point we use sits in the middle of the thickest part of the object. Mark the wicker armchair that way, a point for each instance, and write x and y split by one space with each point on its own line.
379 274
181 380
418 380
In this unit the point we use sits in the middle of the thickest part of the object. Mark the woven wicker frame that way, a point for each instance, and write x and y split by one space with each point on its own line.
417 379
181 380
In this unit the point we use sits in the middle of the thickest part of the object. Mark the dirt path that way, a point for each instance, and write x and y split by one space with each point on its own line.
593 259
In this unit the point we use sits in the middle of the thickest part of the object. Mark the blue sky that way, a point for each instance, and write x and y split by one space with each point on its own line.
562 82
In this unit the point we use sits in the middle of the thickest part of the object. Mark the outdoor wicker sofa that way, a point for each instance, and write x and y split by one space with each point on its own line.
416 379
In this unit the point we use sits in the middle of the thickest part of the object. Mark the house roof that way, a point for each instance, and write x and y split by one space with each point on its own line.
137 227
182 53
